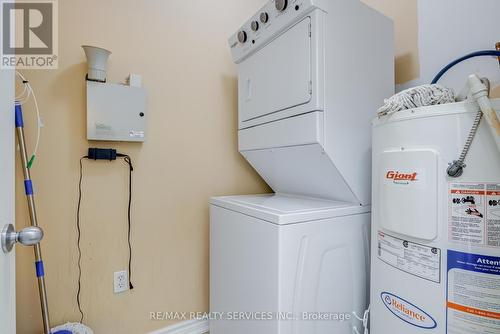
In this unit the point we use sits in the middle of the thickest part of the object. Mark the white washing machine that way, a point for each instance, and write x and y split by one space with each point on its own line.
311 74
284 259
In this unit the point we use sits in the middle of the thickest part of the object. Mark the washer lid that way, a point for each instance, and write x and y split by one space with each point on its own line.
285 209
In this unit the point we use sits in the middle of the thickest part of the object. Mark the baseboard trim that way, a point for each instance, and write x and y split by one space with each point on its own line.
186 327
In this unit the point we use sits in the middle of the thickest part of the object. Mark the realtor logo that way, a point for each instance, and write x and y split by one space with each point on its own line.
29 34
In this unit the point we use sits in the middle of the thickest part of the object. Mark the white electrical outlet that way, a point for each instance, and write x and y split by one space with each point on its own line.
120 281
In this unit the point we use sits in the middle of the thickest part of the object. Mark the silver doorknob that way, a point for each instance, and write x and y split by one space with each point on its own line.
28 236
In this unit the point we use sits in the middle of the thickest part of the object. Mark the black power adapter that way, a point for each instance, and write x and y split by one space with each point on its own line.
102 154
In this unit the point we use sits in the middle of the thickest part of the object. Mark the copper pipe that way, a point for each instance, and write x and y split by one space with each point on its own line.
497 46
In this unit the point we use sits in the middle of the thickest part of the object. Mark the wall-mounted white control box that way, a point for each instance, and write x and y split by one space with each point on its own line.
116 112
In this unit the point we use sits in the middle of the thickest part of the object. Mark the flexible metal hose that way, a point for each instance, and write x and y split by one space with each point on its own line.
471 136
456 168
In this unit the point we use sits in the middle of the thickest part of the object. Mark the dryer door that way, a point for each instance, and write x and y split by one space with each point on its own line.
278 76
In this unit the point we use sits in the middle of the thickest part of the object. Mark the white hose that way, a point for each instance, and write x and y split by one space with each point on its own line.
479 92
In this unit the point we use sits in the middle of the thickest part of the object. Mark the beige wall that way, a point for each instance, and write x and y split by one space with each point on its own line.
405 16
180 49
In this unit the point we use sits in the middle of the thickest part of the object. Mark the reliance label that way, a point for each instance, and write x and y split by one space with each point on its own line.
408 312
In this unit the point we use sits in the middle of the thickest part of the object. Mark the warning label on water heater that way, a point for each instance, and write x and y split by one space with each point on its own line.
473 293
492 203
418 260
475 214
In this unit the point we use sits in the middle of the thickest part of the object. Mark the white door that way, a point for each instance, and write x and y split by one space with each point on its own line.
7 146
279 76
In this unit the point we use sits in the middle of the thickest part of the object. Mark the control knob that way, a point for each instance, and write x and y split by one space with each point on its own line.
264 17
255 25
281 5
242 37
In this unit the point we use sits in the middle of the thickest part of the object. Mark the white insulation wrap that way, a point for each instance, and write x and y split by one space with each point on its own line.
435 239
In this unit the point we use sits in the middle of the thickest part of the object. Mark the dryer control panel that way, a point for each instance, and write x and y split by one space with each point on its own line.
272 19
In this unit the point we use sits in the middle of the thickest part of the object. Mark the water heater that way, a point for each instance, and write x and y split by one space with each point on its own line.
435 239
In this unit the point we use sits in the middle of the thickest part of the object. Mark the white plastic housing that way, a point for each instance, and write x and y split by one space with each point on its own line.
116 112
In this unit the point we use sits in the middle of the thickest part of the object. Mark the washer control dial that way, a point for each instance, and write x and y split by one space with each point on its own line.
264 17
255 25
281 5
242 37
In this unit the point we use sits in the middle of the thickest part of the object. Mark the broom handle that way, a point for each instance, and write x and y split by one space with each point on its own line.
28 185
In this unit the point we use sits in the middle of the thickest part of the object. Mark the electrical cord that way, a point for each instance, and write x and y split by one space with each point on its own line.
364 320
21 100
78 240
128 161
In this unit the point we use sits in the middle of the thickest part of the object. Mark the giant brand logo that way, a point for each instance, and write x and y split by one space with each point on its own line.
397 176
401 178
408 312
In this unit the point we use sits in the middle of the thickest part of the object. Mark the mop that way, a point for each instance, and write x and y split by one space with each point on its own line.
72 328
420 96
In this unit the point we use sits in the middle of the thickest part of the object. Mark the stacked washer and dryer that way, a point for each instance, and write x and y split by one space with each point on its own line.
311 74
